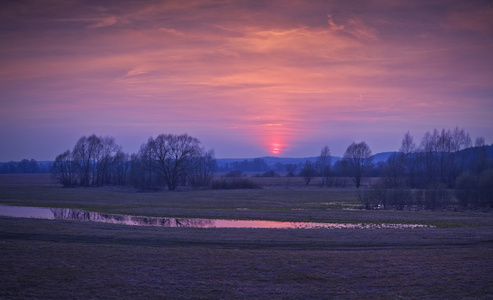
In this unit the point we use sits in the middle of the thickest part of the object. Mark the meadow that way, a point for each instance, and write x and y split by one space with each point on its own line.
71 259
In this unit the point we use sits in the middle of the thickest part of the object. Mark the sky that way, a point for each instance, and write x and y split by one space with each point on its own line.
247 78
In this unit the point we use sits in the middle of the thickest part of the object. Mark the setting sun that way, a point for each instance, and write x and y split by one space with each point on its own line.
276 149
248 78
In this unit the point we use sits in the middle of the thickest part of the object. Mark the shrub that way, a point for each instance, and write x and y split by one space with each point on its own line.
368 198
436 196
485 191
466 189
235 183
308 172
419 197
270 173
399 198
340 182
234 174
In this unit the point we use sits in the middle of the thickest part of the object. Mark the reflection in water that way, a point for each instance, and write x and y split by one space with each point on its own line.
79 215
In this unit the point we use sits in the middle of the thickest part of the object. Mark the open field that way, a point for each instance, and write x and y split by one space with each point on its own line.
69 259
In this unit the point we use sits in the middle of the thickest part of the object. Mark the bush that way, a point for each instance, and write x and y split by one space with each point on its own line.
389 195
234 174
436 196
472 191
340 182
399 198
368 198
485 191
308 172
466 189
270 173
419 197
235 183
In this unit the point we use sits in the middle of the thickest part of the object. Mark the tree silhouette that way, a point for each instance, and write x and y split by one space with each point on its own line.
359 158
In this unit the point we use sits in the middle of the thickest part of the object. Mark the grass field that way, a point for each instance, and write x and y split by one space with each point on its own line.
68 259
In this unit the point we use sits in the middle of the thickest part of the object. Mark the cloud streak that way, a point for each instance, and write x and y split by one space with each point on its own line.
255 74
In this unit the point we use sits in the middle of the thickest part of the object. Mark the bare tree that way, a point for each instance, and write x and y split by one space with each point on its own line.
409 159
107 151
466 189
93 157
83 156
291 169
359 158
441 157
63 169
171 156
323 164
202 168
460 140
394 171
479 142
28 166
428 156
308 172
480 159
485 190
142 173
120 167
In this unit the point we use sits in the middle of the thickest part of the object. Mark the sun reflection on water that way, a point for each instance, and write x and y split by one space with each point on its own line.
79 215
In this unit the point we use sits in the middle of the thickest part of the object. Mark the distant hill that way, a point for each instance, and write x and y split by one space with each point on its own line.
270 161
382 157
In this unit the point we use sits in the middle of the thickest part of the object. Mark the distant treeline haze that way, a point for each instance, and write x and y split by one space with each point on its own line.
443 169
25 166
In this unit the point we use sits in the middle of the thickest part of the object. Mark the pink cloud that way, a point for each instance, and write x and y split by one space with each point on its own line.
283 73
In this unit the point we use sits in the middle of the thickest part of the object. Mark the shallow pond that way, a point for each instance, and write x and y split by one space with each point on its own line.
79 215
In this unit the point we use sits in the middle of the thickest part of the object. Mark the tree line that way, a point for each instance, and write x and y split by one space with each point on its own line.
24 166
443 168
165 161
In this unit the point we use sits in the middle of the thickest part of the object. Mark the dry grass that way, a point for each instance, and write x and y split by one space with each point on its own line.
282 204
81 260
76 260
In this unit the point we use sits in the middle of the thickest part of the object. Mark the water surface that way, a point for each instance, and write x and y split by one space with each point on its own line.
80 215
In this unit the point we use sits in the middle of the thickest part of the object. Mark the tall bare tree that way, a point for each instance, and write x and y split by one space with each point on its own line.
308 172
83 156
107 151
92 158
480 160
428 156
291 169
120 166
202 168
323 164
409 159
441 157
172 155
63 169
359 158
142 174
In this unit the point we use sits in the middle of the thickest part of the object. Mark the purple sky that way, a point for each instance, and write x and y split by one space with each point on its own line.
244 77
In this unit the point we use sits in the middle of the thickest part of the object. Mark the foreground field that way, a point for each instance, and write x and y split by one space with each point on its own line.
68 259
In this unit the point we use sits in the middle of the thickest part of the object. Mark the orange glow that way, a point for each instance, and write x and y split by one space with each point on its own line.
276 149
247 80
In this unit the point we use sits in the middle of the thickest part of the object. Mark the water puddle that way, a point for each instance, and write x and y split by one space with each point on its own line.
79 215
